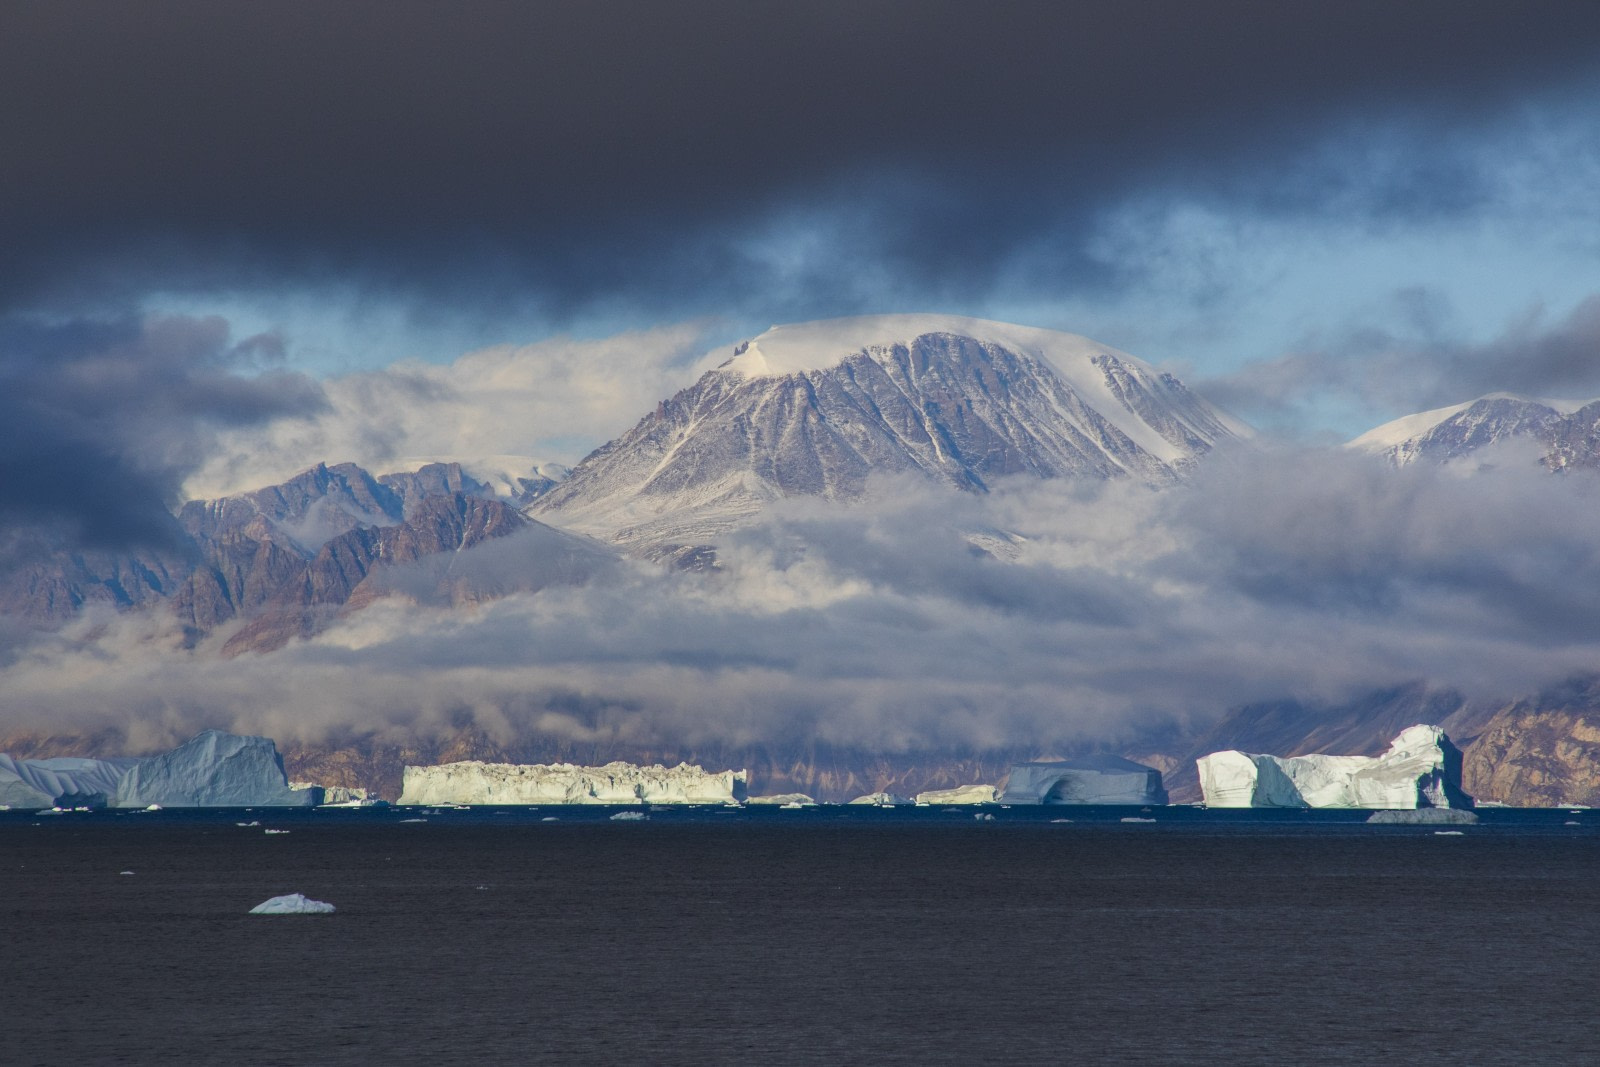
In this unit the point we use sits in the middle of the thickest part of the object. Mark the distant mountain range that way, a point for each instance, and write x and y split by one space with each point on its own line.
820 410
1567 434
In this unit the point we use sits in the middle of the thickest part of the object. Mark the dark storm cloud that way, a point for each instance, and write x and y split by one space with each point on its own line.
1411 362
580 150
101 420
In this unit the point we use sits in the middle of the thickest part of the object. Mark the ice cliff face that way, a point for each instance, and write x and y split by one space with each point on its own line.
65 781
474 782
814 409
1420 769
1092 780
215 769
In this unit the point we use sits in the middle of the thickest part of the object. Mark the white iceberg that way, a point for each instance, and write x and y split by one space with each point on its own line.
786 800
213 770
62 782
965 794
292 904
1421 769
884 800
629 816
1090 780
475 782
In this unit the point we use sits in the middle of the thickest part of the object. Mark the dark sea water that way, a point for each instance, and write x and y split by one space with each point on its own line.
825 936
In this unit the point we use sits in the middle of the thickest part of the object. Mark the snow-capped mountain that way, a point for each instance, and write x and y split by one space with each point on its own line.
1567 433
816 409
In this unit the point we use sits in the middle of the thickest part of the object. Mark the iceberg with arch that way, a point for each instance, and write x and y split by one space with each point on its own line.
1089 780
1421 769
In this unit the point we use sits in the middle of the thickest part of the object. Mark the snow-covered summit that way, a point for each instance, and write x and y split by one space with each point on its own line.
816 409
1568 430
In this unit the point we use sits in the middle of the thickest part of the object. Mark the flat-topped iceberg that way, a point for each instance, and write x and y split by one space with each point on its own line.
65 781
1090 780
962 794
786 800
475 782
1421 769
214 770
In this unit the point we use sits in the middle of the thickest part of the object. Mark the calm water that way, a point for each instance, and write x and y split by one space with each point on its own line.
798 938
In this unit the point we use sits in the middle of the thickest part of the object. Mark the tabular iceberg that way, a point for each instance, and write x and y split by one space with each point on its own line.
1421 769
66 781
884 800
475 782
214 770
1091 780
963 794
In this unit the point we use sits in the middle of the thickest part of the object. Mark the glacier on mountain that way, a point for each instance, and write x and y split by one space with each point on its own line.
1088 780
476 782
213 770
1421 769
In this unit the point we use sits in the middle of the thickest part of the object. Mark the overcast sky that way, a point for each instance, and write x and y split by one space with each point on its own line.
1319 190
236 239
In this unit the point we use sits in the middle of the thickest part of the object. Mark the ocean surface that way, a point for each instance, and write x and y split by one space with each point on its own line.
822 936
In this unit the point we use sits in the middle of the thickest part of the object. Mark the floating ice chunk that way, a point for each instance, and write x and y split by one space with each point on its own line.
1420 769
475 782
1423 817
1448 833
1091 780
965 794
984 816
213 770
1135 818
628 816
271 831
785 800
124 872
292 904
884 800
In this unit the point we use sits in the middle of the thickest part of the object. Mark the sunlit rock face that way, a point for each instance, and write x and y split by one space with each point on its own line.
1091 780
1421 769
214 770
966 794
475 782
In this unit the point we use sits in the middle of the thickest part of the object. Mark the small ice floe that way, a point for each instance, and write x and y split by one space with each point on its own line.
1060 820
153 807
1572 822
549 818
1135 818
628 816
124 872
413 820
984 816
269 830
252 822
1448 833
1422 816
292 904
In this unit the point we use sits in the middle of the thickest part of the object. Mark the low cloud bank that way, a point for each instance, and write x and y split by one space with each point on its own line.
1115 613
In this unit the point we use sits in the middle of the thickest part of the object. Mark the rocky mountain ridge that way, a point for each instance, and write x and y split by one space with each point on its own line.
1566 434
818 409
